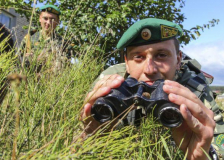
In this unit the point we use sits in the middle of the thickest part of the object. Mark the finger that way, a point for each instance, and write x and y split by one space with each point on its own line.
112 81
103 87
191 121
182 91
176 88
89 122
175 84
95 94
87 110
86 114
204 116
195 125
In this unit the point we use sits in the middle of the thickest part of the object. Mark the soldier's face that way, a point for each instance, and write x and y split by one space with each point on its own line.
153 61
48 21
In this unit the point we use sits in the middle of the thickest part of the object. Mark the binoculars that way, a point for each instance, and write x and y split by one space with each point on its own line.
131 92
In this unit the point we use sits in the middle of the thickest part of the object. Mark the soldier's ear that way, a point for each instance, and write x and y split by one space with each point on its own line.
126 63
179 59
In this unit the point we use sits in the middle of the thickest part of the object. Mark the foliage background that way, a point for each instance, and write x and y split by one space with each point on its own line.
84 19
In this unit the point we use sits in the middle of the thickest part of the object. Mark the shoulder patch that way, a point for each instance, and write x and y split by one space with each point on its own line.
167 31
220 141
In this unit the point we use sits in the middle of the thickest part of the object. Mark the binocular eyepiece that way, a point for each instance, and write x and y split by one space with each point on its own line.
152 98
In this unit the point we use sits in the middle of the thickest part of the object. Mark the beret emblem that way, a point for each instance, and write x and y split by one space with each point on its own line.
146 34
167 31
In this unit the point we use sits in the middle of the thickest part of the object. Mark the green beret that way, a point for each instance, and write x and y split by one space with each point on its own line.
50 8
147 31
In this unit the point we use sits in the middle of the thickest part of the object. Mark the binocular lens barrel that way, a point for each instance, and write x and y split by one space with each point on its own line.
102 112
170 116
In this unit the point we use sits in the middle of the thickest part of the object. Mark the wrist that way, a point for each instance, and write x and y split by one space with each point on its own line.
204 154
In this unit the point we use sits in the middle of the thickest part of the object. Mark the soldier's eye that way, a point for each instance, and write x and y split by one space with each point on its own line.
161 55
138 57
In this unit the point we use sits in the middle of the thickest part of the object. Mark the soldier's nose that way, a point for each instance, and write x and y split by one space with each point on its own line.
150 67
48 21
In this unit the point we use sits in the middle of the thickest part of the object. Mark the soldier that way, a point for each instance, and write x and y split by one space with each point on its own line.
152 52
45 45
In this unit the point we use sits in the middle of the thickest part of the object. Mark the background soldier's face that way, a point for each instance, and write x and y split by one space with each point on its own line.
48 21
153 61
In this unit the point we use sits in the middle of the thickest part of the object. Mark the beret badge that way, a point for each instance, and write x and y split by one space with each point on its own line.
167 31
146 34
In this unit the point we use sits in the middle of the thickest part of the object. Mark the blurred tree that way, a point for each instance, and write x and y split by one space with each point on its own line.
84 20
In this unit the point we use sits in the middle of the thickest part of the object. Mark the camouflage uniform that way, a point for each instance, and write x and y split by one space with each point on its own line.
186 77
52 48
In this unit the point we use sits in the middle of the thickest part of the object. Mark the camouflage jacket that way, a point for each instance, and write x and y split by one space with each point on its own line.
53 49
188 78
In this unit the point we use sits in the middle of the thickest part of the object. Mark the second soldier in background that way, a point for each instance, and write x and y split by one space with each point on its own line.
45 45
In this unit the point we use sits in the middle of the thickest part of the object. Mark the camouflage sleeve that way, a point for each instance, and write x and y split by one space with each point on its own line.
208 99
218 140
210 103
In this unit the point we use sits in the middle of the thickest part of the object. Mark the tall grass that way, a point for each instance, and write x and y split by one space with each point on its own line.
39 116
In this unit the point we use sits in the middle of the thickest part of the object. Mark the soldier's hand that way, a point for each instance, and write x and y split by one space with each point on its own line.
198 127
102 88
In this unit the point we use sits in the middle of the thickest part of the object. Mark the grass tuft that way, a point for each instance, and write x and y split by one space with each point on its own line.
39 116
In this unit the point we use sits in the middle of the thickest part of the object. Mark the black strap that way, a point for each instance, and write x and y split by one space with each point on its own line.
213 154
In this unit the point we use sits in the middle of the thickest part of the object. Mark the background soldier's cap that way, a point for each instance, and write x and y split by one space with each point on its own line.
147 31
50 8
